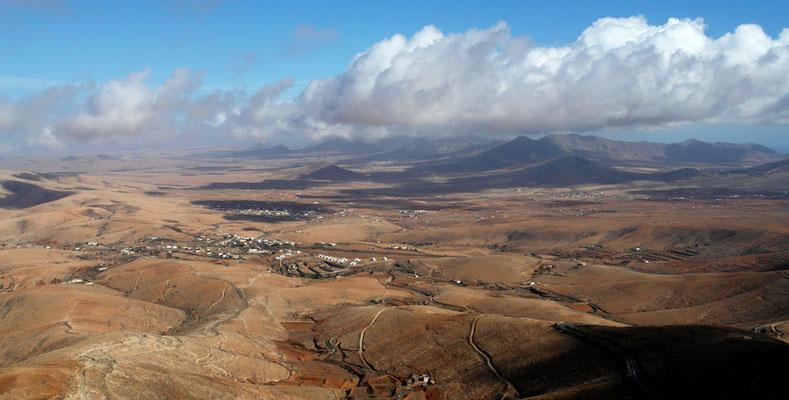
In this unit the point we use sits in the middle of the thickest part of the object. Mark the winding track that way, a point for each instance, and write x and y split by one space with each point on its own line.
361 339
510 387
138 279
361 346
224 289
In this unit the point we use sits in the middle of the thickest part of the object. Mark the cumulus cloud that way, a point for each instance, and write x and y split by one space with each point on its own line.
130 106
620 72
29 119
45 138
118 108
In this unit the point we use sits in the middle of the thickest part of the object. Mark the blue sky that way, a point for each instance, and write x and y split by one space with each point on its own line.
243 45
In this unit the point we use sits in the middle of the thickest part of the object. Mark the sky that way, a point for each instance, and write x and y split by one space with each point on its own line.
89 76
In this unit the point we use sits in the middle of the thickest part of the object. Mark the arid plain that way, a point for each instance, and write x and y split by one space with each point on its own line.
312 275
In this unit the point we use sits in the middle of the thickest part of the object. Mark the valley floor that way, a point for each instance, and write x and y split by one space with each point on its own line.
151 284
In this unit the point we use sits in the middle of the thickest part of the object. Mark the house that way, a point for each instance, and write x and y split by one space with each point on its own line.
425 379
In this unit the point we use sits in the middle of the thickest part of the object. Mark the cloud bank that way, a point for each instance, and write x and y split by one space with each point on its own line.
117 108
619 73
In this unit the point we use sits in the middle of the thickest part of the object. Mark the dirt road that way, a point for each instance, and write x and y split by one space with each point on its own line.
511 391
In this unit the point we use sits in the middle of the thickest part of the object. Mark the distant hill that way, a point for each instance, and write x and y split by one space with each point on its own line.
261 152
519 152
682 174
561 171
346 146
402 148
35 176
25 195
697 151
459 155
422 148
572 170
90 158
773 167
597 148
332 172
689 151
524 151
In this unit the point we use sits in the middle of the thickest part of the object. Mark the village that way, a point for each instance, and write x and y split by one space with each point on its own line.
319 260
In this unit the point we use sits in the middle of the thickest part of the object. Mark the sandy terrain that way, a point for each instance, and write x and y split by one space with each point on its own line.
229 281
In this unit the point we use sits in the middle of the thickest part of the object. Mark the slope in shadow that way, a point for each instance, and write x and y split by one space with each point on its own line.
26 195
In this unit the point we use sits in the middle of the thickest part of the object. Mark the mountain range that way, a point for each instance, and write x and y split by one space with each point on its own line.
447 154
524 151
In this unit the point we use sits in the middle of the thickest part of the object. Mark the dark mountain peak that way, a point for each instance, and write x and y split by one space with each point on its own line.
319 166
564 170
331 172
522 140
691 141
570 170
517 152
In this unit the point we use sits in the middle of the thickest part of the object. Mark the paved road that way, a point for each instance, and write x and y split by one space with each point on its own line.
632 365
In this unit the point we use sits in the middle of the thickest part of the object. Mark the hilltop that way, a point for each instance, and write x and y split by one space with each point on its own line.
331 172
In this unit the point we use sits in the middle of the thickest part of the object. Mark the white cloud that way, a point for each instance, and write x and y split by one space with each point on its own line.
122 108
621 72
46 139
26 118
7 114
129 106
